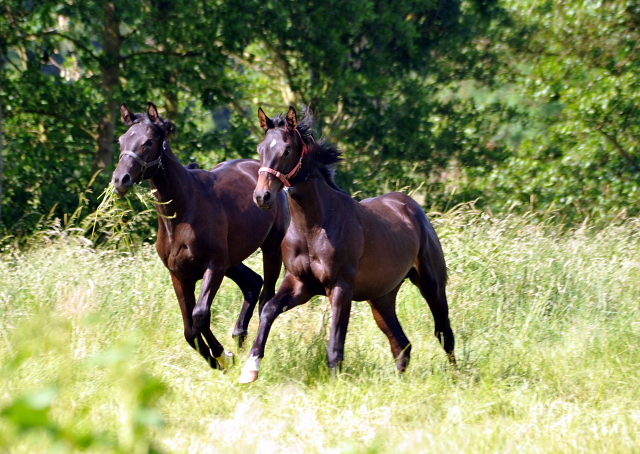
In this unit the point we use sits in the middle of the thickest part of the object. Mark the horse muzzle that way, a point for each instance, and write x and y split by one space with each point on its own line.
121 183
263 199
264 195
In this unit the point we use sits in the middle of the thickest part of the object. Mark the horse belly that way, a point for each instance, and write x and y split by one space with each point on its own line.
248 232
385 264
371 284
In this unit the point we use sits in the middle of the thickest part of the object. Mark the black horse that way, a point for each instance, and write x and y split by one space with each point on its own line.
207 225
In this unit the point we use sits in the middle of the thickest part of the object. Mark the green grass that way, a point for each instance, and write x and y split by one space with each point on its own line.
547 322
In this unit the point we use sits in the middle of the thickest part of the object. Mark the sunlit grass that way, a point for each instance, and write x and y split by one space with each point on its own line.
547 326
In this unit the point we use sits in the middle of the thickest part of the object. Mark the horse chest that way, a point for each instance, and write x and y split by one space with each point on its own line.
180 259
312 263
178 249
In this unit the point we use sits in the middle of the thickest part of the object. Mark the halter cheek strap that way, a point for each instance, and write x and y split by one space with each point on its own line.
143 164
281 176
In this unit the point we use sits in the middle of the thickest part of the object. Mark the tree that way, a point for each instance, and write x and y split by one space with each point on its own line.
571 76
371 70
69 67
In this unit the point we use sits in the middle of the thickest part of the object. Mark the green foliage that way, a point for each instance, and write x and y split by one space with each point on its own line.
571 77
527 106
31 412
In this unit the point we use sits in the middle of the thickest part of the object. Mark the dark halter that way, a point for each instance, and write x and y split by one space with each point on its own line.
145 165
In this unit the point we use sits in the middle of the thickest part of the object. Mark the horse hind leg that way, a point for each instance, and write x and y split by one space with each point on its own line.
433 291
186 299
384 313
250 284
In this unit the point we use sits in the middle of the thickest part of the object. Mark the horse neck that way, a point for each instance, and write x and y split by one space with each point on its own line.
169 185
310 200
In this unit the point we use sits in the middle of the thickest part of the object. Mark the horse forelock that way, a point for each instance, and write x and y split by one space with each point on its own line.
305 123
327 155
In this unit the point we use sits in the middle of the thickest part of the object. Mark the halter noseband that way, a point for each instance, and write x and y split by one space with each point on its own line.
143 164
285 178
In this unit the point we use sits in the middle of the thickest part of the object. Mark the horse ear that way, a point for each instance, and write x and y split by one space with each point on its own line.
152 111
126 115
292 118
265 122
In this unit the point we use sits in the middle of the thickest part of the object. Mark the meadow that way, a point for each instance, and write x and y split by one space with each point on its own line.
92 356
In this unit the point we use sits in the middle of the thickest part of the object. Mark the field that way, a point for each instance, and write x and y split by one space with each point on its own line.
92 356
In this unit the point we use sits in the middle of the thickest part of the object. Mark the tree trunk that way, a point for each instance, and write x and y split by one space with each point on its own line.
109 80
1 67
171 95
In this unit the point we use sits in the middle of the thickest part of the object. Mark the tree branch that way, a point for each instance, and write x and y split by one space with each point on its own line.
160 52
284 66
131 33
249 64
62 118
624 62
75 41
613 141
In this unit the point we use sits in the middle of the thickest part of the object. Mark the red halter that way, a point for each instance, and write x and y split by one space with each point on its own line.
285 178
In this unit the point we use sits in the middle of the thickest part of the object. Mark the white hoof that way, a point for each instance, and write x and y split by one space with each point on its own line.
249 370
248 377
226 360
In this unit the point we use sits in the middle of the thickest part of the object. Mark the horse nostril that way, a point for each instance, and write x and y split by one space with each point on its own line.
126 179
266 197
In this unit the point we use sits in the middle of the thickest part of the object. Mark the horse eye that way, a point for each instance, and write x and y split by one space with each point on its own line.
287 151
148 143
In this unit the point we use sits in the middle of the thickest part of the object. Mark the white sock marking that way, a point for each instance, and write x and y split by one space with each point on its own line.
251 364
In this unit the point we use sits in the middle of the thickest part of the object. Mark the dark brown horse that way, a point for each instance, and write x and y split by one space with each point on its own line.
341 248
207 225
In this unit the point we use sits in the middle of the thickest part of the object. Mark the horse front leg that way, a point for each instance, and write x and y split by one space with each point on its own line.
186 300
291 293
211 281
340 297
272 261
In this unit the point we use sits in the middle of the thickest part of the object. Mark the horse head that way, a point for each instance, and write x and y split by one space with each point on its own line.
142 147
281 153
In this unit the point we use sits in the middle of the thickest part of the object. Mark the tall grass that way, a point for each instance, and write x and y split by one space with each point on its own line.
547 323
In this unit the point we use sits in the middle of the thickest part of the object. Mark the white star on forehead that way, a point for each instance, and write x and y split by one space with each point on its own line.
273 142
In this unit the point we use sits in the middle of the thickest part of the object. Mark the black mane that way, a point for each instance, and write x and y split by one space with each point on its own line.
328 156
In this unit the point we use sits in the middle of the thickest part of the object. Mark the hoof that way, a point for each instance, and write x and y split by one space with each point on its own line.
226 360
240 339
452 359
248 377
250 370
335 371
